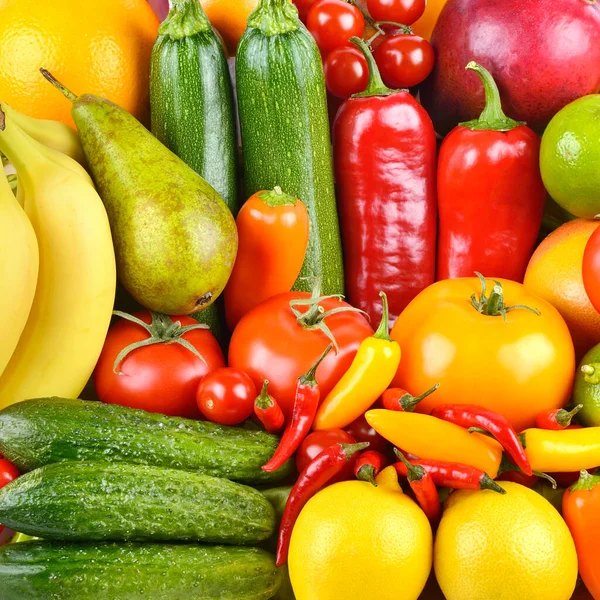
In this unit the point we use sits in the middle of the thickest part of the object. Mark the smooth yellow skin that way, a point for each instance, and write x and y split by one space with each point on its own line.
430 438
514 546
388 478
565 451
369 375
354 541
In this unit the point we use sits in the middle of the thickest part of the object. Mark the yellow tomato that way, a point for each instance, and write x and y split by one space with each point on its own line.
517 365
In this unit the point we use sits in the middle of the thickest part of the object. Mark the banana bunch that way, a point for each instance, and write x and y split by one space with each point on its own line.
57 263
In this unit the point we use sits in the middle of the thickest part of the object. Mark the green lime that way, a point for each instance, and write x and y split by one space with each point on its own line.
570 157
587 388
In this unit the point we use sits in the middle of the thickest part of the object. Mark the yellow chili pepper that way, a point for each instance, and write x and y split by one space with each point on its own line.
369 375
430 438
564 451
388 479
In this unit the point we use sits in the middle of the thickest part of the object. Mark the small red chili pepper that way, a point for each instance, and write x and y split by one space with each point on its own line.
454 475
469 415
421 483
305 408
401 401
319 471
557 419
268 411
368 466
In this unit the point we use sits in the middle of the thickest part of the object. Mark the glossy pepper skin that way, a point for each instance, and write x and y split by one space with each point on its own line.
384 157
490 194
581 511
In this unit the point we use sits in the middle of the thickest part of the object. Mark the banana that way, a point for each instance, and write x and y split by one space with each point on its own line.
53 134
75 293
18 270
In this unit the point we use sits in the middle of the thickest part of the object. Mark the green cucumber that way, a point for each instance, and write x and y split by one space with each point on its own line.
285 129
38 432
102 501
128 571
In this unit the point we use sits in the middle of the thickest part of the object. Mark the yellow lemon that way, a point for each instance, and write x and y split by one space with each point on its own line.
354 541
504 547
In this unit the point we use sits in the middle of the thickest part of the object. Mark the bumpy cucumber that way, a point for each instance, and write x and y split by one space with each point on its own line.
101 501
48 430
128 571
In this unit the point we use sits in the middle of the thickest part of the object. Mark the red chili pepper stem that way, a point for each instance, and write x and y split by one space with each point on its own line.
367 473
557 419
408 402
375 87
309 378
591 373
383 331
494 305
586 483
492 118
415 472
268 411
264 400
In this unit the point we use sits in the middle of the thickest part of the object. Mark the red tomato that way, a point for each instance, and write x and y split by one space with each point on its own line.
346 72
270 343
303 7
226 396
333 22
591 269
8 472
405 12
404 60
158 378
316 442
361 431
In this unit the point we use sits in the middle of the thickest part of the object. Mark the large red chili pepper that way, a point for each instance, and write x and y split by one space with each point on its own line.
369 465
454 475
268 411
557 419
468 415
320 470
421 483
306 404
385 157
490 194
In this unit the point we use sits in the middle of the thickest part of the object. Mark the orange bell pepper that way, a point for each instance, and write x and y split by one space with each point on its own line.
581 511
429 438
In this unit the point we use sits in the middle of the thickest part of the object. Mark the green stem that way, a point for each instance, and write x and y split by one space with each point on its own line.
405 28
264 399
186 18
351 449
375 87
277 197
383 331
591 373
487 483
58 85
367 473
492 118
415 472
565 417
274 17
586 483
309 378
408 402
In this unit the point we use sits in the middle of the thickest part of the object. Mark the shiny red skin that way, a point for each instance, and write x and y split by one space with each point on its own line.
346 72
490 201
401 11
316 442
226 396
269 343
543 55
303 7
404 60
591 269
333 22
8 473
361 431
385 167
160 378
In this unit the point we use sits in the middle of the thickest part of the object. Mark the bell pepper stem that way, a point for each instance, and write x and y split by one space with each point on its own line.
492 118
375 87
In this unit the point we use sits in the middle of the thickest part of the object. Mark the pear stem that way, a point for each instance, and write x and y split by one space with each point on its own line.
58 85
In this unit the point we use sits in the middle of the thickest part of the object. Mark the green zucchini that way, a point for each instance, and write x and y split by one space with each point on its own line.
102 501
128 571
285 129
38 432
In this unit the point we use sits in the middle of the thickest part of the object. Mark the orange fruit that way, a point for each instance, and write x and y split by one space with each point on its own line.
229 18
554 273
92 47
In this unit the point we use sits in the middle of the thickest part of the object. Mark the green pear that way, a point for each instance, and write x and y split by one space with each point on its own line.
175 239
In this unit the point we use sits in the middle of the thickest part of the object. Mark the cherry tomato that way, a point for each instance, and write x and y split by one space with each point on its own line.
346 72
8 472
226 396
333 22
405 12
316 442
158 378
404 60
361 431
591 269
303 7
270 343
